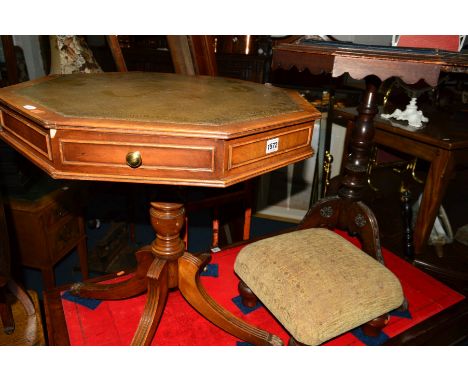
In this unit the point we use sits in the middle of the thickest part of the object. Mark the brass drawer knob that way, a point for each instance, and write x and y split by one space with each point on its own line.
134 159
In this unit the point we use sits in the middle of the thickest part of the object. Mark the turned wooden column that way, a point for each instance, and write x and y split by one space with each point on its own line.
355 180
167 220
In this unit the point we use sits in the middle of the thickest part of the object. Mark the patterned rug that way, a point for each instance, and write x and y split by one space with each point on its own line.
93 322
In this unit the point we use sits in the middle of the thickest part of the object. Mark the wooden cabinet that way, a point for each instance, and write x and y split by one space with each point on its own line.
42 231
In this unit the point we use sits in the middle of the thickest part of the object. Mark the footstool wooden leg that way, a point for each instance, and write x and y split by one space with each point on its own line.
248 297
293 342
375 326
405 306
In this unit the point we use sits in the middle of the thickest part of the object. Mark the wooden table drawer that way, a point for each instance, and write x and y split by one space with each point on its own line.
55 213
249 150
164 159
24 132
155 156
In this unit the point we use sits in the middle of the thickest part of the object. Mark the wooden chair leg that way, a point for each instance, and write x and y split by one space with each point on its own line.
248 196
248 297
437 181
215 224
196 295
186 232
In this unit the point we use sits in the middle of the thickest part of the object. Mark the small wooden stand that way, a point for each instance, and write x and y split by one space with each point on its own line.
44 230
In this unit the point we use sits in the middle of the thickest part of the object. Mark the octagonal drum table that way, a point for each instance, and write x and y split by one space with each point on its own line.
159 129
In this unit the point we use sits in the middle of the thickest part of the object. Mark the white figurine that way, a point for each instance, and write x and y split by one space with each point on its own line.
411 114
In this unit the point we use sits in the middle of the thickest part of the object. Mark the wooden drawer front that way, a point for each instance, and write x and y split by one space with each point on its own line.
255 149
63 237
25 132
55 213
154 156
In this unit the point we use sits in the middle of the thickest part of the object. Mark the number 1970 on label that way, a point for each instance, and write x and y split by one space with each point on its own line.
272 145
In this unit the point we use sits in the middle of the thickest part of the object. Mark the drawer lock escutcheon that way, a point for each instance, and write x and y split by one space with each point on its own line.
134 159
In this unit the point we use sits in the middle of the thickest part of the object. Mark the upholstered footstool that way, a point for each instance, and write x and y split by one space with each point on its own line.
317 284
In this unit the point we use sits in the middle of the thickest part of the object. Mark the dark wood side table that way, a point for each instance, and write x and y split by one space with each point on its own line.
159 129
376 64
45 229
443 142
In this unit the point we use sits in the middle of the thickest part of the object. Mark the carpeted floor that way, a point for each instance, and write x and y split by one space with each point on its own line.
93 322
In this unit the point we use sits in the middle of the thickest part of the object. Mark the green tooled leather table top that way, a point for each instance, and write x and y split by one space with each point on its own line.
157 97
